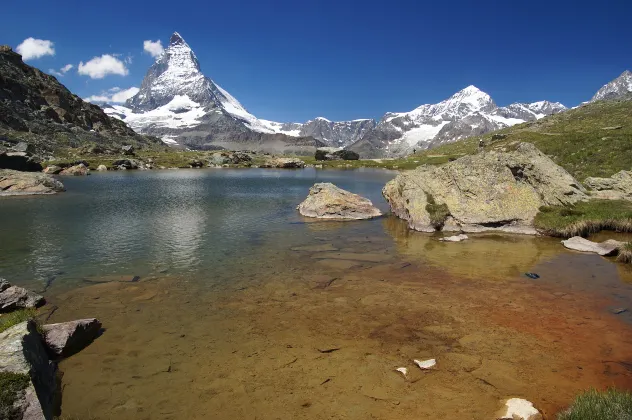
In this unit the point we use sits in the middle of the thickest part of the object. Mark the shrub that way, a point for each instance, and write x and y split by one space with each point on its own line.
11 386
595 405
438 212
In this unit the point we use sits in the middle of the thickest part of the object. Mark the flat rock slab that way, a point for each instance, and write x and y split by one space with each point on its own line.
28 183
519 409
352 256
609 247
67 338
326 201
315 248
22 352
15 297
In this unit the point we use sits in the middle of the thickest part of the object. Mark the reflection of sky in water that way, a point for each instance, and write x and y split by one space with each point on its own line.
207 222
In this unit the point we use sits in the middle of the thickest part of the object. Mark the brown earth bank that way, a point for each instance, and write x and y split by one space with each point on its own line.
311 338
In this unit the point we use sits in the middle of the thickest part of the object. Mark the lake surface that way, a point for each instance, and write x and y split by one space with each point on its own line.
242 308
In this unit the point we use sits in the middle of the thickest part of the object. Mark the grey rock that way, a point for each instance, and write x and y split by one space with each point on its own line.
24 147
609 247
616 89
619 186
284 163
487 191
327 201
122 164
127 149
22 352
102 168
15 297
328 153
27 183
67 338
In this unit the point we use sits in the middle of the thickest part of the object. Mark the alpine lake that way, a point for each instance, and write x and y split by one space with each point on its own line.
219 301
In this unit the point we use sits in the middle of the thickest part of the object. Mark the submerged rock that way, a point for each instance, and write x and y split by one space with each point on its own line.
77 170
609 247
456 238
326 201
488 191
22 352
67 338
25 183
15 297
519 409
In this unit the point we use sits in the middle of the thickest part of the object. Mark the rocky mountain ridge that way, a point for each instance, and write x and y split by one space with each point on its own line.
616 89
35 107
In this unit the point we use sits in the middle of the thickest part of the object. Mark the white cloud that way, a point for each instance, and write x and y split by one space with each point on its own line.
61 71
35 48
114 95
153 47
99 67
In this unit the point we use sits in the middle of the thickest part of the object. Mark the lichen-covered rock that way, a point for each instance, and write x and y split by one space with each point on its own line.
618 187
67 338
284 163
25 183
102 168
15 297
77 170
22 352
487 191
326 201
609 247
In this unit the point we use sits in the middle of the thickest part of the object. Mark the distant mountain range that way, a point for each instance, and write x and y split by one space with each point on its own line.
177 103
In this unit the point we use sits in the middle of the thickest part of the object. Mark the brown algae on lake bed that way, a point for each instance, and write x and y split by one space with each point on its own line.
174 348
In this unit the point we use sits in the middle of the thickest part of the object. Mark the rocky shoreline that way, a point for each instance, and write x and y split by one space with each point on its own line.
30 351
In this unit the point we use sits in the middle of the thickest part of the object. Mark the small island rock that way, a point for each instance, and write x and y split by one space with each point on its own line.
326 201
25 183
609 247
67 338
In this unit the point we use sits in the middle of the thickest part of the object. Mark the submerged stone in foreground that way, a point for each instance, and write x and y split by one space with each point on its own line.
67 338
28 183
326 201
488 191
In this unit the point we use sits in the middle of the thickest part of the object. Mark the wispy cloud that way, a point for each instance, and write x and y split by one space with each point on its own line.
114 95
32 48
99 67
154 48
62 71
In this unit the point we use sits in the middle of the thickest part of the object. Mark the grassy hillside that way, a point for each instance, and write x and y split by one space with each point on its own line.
592 140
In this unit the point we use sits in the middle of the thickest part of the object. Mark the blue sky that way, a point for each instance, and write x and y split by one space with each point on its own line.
295 60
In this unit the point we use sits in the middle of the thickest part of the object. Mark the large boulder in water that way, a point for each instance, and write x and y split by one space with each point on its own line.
326 201
488 191
25 183
67 338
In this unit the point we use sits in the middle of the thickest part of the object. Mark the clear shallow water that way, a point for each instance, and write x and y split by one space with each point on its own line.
179 221
238 293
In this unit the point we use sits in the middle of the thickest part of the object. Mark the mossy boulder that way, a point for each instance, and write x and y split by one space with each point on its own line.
487 191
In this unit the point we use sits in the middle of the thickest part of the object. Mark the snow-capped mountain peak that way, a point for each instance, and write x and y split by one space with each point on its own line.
617 88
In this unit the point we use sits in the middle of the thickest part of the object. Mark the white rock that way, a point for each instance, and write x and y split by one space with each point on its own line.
520 409
609 247
456 238
425 364
403 371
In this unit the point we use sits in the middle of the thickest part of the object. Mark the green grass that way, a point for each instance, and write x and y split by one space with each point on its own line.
11 386
16 317
438 212
594 405
585 218
575 140
625 254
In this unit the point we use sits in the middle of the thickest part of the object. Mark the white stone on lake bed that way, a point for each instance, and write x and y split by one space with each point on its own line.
403 371
520 409
609 247
456 238
425 364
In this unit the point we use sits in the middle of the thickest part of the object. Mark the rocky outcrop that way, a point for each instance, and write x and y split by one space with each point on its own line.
53 169
617 187
22 352
609 247
122 164
326 201
15 297
229 158
77 170
284 163
26 183
19 160
36 108
487 191
67 338
330 153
